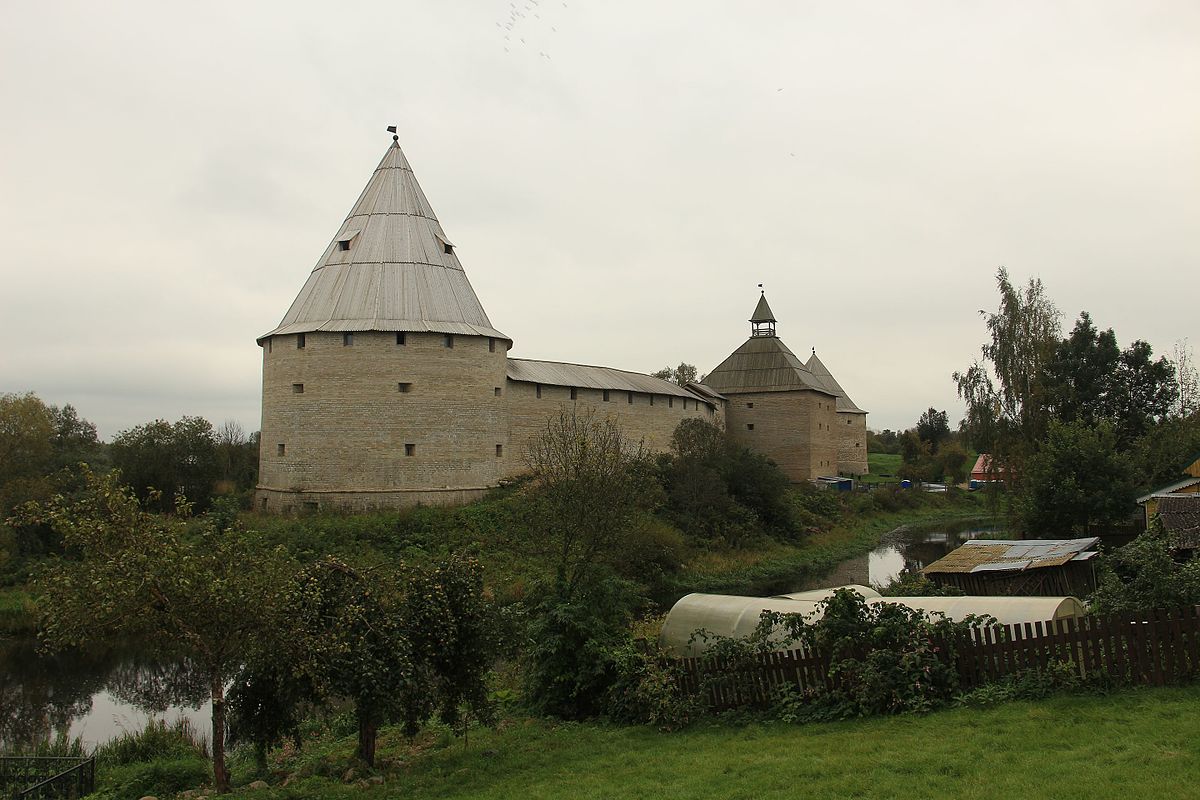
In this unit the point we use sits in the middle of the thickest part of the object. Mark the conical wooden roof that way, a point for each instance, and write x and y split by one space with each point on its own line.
395 274
762 311
762 364
826 379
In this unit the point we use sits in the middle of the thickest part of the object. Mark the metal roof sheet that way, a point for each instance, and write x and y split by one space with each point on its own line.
396 275
557 373
762 364
1000 555
1174 487
830 384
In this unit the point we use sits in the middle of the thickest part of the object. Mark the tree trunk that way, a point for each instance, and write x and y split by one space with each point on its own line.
220 774
367 730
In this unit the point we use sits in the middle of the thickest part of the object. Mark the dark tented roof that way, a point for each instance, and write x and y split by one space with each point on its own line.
763 364
762 311
830 384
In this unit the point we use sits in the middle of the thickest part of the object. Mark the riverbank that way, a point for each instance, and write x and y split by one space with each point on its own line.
1134 743
783 568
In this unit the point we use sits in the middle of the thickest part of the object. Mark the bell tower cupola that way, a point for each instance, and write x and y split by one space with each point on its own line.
762 323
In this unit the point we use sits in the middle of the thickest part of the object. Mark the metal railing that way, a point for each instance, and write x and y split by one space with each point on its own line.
47 777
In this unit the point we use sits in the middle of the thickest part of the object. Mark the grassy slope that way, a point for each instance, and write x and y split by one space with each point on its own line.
882 464
1139 743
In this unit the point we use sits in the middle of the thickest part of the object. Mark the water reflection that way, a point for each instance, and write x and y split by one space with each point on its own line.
905 549
94 695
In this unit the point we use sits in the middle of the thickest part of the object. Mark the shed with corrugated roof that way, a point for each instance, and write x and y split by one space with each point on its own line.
1027 567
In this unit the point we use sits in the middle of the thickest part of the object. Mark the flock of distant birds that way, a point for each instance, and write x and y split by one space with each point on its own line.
517 16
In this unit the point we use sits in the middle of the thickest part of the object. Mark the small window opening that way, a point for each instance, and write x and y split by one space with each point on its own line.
343 244
404 388
847 422
574 393
631 398
749 426
447 248
670 402
448 341
651 399
538 389
263 504
497 391
269 344
749 405
299 341
400 339
347 339
685 404
499 451
280 449
491 345
297 388
410 449
606 395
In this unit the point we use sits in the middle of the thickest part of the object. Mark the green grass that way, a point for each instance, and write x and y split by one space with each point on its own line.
883 468
15 611
1132 744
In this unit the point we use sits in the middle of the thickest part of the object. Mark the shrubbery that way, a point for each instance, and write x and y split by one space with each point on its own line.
1144 575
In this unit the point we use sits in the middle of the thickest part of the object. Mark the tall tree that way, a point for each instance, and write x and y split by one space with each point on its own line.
204 595
1091 380
683 374
161 460
1079 480
933 428
1005 393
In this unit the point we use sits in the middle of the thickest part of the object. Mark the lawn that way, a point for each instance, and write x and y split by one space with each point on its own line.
1131 744
884 467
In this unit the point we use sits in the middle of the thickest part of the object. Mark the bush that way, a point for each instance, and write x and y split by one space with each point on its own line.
1036 684
647 688
1143 575
570 657
158 778
158 740
914 584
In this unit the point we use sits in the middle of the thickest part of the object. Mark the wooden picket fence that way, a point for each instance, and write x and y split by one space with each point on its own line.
1155 648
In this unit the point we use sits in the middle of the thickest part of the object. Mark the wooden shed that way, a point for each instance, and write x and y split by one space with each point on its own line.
1038 567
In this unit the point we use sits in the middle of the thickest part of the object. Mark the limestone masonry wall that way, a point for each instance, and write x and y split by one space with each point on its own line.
852 443
365 415
795 429
361 421
650 418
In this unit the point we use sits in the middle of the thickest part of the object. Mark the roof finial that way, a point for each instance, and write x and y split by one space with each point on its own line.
814 351
761 290
392 131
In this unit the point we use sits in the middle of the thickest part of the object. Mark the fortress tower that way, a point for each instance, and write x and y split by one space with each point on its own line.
776 405
383 385
851 425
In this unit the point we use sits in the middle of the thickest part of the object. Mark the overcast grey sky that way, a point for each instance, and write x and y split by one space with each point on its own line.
617 176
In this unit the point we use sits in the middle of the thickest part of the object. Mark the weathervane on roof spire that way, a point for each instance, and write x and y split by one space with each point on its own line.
392 131
761 289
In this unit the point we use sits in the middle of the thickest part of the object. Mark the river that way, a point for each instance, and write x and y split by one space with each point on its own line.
93 696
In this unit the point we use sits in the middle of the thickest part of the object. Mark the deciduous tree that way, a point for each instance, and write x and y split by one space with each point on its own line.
207 596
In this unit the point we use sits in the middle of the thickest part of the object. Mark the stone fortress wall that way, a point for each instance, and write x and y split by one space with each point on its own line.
852 443
649 418
389 423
